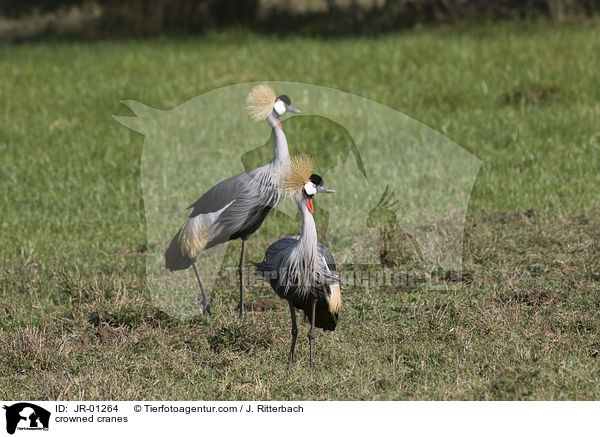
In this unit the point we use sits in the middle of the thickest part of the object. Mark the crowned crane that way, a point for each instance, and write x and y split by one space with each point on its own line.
299 268
236 207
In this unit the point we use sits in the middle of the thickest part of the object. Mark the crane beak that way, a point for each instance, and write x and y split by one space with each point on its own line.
321 189
290 108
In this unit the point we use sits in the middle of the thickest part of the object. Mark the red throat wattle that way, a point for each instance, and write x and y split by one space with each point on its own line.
310 206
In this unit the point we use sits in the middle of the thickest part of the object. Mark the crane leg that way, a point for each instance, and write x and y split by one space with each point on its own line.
294 333
311 333
242 274
205 299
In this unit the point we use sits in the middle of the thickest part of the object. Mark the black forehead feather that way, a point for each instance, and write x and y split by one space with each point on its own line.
316 179
285 99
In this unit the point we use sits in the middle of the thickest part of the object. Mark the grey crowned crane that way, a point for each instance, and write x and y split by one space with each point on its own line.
236 207
299 268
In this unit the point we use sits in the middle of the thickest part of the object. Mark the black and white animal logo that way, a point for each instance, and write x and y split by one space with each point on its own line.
26 416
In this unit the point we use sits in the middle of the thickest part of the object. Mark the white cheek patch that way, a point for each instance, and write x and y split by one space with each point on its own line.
279 107
310 188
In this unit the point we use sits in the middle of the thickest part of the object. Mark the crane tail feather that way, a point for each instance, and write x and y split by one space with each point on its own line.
174 258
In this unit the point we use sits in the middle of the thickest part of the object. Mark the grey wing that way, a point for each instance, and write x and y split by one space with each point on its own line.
277 254
331 275
326 254
224 192
246 199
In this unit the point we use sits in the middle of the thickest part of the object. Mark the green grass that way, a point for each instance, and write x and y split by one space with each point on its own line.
76 320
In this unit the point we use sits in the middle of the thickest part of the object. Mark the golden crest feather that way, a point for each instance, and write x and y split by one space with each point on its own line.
296 174
260 102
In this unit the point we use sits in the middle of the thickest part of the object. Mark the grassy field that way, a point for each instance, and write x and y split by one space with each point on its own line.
76 321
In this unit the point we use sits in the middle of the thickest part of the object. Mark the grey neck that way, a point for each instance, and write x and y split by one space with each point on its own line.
280 146
303 267
308 235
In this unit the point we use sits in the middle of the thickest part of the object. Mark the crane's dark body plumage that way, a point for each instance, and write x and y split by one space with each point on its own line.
324 318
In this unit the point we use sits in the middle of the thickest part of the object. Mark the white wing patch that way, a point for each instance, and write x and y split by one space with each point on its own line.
335 300
212 217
